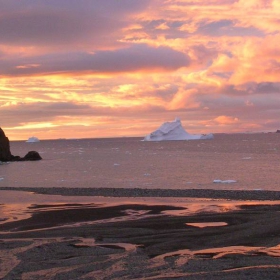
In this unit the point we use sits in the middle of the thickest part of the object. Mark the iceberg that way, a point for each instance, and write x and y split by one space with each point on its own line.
174 131
32 139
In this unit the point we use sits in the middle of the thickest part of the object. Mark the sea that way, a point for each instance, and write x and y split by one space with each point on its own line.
245 161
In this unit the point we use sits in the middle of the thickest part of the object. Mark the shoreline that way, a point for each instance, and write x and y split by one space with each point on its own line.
234 235
140 192
155 246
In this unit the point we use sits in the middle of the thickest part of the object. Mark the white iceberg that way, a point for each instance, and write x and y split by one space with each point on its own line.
218 181
32 139
174 131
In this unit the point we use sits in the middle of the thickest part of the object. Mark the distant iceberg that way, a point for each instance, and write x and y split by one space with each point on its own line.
32 139
174 131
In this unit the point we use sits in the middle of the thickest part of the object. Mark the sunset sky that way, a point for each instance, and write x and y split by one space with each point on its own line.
113 68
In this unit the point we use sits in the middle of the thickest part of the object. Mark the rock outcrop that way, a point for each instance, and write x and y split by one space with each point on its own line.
6 155
32 155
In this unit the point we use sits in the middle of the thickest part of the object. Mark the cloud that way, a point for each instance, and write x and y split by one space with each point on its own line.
134 58
132 64
17 113
63 22
227 27
225 120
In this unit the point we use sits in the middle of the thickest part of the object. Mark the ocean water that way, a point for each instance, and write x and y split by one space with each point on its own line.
235 161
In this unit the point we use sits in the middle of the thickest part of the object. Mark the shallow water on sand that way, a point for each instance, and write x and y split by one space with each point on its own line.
137 238
19 205
252 160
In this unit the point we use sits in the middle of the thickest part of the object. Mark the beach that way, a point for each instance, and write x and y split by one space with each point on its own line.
129 234
126 209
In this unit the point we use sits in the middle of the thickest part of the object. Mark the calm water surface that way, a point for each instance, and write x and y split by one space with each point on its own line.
252 160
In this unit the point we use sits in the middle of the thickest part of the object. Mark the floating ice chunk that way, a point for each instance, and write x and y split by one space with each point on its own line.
116 164
1 178
217 181
247 158
147 174
174 131
32 139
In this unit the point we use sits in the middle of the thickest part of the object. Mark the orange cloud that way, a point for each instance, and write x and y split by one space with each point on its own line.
107 69
225 120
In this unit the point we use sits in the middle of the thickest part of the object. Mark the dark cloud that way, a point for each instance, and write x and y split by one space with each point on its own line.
249 89
40 28
40 111
135 58
166 93
204 55
106 7
62 22
45 112
226 27
172 31
268 87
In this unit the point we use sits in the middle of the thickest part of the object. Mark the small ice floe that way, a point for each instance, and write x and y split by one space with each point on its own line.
224 181
147 174
246 158
1 178
116 164
32 139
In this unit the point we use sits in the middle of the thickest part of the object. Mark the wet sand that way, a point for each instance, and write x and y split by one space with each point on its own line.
141 237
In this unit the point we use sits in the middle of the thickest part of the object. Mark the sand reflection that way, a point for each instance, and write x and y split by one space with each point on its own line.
143 238
208 224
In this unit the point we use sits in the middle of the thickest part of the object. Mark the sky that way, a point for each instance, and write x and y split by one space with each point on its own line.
114 68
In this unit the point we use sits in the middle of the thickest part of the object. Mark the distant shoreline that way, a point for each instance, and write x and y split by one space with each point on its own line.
138 192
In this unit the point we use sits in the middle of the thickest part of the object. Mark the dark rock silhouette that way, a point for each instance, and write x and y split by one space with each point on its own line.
278 131
6 155
32 155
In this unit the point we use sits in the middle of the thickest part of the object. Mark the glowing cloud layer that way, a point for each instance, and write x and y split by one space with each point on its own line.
105 68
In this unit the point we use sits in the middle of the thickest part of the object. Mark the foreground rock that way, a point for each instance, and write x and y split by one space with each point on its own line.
6 155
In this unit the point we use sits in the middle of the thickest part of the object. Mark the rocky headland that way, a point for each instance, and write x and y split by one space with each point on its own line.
6 155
